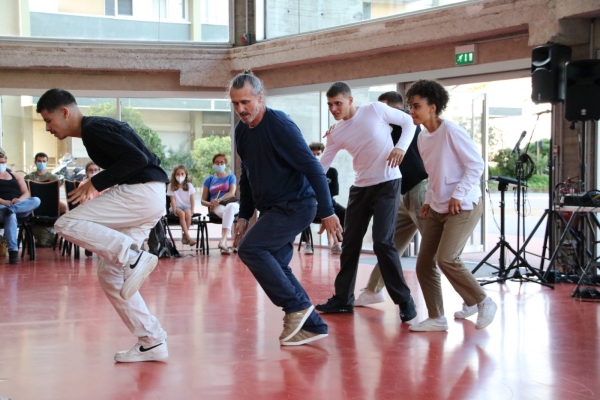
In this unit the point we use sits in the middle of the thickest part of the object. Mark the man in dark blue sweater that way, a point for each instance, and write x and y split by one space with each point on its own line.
282 180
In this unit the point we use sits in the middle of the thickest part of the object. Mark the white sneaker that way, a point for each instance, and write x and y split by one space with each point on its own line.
466 311
336 249
136 273
430 325
486 311
308 249
138 353
369 297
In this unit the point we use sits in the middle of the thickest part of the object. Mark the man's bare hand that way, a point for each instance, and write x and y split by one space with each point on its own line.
15 201
329 130
333 228
240 230
395 158
82 193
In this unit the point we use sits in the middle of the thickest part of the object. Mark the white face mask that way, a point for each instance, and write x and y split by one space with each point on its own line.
2 168
180 179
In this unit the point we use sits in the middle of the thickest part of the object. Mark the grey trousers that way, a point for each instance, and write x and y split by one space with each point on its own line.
407 223
380 202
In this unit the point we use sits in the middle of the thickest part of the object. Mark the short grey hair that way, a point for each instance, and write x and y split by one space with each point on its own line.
247 76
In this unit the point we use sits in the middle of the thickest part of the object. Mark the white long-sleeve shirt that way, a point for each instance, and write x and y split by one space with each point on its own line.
366 136
453 164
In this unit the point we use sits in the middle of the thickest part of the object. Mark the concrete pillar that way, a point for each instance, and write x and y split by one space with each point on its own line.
196 13
17 128
196 126
240 20
14 18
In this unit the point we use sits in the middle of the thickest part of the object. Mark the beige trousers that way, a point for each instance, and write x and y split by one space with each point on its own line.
446 236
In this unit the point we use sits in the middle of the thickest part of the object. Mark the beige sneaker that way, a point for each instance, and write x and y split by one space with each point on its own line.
292 323
304 337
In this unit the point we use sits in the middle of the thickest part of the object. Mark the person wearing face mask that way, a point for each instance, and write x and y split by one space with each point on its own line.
41 174
218 194
181 192
15 201
334 188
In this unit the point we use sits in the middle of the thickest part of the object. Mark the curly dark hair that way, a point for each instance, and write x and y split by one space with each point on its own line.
432 92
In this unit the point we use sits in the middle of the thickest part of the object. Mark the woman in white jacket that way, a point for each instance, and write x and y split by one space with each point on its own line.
452 208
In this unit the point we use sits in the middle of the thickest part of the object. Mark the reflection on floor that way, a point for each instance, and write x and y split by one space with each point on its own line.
58 335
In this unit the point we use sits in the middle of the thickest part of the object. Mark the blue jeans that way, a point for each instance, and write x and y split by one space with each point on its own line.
267 249
9 215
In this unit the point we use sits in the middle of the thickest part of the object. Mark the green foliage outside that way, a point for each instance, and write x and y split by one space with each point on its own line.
198 161
202 154
505 164
134 118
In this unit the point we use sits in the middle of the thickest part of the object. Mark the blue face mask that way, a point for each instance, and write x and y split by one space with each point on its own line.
2 168
41 166
219 168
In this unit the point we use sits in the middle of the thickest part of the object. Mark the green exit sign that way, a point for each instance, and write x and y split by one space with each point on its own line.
465 58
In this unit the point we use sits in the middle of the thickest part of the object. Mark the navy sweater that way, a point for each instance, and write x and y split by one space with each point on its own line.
277 166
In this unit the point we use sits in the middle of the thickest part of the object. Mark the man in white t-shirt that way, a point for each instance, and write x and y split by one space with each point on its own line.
364 132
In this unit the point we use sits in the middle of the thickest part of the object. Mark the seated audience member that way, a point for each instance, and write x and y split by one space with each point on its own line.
15 201
181 192
91 169
334 188
41 174
218 194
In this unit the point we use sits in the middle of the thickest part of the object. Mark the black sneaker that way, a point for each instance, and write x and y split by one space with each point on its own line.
335 305
408 311
13 257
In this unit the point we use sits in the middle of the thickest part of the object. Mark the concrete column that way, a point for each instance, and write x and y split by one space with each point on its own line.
9 18
240 20
196 11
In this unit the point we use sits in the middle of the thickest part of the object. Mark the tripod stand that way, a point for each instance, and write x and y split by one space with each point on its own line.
503 245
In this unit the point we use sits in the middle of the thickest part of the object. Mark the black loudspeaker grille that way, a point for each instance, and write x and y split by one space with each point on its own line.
582 97
548 73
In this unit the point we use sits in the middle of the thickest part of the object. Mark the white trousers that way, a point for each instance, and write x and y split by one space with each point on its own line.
227 213
109 225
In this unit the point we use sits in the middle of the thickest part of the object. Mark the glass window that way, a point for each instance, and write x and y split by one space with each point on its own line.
276 18
125 7
143 20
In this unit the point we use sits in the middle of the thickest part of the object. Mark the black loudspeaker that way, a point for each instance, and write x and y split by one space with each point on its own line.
582 98
548 73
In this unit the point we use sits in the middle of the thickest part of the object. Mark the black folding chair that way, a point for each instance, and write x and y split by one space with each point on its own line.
49 210
68 246
173 220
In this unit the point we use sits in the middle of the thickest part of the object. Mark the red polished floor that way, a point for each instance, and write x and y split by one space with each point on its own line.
58 335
